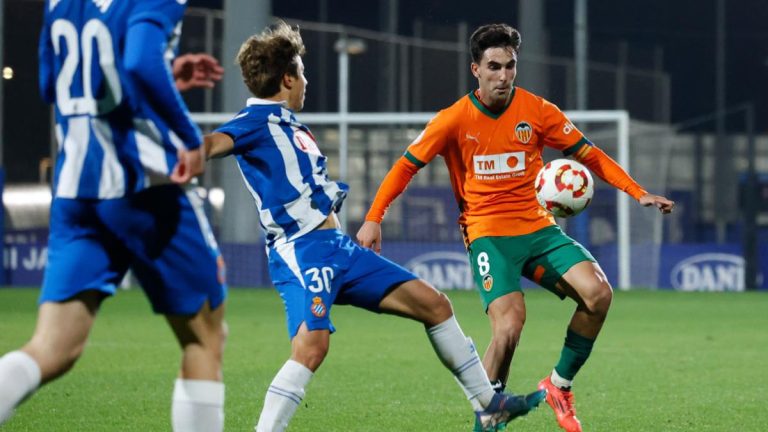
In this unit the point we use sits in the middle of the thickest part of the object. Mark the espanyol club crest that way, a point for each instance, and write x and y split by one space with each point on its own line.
523 132
318 307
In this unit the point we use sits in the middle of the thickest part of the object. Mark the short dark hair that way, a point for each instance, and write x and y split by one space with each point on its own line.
264 58
491 36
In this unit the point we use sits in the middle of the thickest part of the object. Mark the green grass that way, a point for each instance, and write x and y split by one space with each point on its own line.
665 362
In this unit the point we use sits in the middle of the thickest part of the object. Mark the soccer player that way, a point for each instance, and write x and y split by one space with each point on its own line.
126 143
312 263
506 232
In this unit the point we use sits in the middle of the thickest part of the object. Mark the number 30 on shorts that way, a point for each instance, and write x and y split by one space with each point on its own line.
483 263
321 279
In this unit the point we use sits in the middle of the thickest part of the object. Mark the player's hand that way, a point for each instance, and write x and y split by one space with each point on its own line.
664 205
369 236
196 71
190 164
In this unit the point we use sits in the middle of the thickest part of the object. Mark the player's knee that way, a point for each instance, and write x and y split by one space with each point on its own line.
599 300
441 307
435 308
312 356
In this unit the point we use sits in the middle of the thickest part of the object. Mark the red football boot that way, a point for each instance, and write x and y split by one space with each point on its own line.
561 402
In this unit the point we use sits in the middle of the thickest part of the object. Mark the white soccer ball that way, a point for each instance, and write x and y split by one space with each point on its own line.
564 187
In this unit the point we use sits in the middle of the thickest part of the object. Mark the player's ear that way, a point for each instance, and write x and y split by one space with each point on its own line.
288 81
474 67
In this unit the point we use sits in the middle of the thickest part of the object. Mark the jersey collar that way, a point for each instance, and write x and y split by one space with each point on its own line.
259 101
479 105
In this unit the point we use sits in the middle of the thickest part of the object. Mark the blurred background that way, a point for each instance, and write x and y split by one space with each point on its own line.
682 88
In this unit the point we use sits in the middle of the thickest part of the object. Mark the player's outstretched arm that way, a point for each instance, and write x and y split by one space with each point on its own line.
218 145
369 236
612 173
198 70
394 184
609 170
664 205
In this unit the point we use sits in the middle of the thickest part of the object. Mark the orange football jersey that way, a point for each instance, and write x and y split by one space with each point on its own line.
493 159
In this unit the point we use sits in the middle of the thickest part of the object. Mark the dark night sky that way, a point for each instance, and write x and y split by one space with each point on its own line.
686 35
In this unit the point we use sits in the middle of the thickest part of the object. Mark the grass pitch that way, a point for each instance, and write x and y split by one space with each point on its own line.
665 361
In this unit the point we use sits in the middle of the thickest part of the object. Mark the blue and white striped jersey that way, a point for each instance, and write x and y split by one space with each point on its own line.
115 137
283 169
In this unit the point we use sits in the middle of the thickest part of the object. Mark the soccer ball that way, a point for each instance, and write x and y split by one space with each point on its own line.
564 187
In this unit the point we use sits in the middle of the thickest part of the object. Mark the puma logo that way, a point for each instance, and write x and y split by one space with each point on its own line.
472 138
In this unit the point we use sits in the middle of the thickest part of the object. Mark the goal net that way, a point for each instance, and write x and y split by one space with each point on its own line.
420 230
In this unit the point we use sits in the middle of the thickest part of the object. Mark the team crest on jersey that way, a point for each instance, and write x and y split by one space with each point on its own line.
523 132
318 307
487 282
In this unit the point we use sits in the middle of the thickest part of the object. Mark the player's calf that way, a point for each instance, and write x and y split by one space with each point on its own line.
53 362
56 347
198 396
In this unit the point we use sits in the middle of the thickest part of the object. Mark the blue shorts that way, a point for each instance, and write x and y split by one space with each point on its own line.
325 267
160 233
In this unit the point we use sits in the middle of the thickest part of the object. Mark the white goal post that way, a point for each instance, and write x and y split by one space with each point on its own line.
343 120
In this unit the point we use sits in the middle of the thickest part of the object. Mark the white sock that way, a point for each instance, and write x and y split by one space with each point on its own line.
283 397
458 353
19 378
559 381
198 406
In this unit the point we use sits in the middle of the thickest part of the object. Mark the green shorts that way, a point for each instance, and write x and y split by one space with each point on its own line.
542 256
